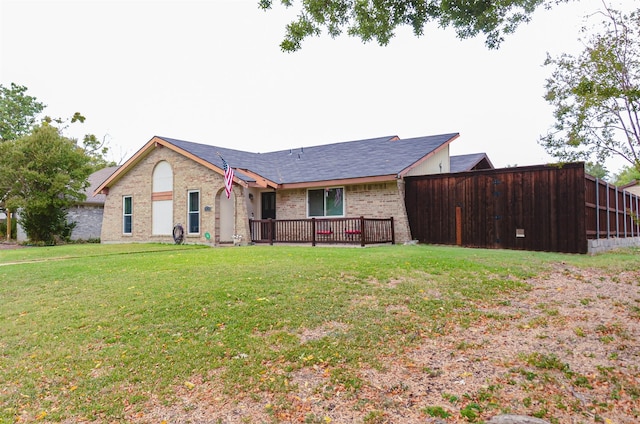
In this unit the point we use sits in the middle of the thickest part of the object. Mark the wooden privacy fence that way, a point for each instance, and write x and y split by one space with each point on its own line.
360 230
611 212
545 207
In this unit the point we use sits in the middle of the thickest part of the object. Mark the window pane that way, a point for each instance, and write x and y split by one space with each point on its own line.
127 205
194 212
194 201
127 214
127 224
335 202
316 202
194 222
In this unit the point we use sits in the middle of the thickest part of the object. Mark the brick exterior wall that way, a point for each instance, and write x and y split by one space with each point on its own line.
187 175
380 200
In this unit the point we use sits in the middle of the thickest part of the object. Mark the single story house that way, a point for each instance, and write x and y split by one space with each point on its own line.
169 182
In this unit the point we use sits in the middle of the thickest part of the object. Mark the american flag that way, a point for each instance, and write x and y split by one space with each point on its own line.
228 177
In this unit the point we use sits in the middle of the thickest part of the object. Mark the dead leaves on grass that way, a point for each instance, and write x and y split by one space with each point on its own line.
564 350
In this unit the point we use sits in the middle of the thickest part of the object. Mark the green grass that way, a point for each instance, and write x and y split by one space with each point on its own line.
87 330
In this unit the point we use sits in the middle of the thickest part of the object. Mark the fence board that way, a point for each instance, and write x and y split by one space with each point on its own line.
531 208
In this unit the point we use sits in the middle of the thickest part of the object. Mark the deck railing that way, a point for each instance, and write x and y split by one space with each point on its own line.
360 230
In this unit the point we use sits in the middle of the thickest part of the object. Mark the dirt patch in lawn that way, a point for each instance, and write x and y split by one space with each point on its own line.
7 245
566 351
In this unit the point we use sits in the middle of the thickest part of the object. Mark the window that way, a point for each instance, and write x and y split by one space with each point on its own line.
162 199
325 202
127 214
194 211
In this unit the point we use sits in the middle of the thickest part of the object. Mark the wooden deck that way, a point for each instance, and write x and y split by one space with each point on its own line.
359 231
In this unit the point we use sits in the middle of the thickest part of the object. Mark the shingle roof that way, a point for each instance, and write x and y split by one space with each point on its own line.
95 180
462 163
354 159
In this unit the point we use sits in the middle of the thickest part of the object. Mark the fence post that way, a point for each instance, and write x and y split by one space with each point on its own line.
272 229
458 226
597 209
313 231
624 211
608 191
361 231
617 213
393 233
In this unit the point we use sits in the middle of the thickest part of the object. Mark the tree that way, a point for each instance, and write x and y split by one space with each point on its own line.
97 150
626 175
18 112
596 95
596 170
378 19
43 174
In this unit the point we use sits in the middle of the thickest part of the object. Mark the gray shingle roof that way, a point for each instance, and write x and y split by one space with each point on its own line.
462 163
95 180
353 159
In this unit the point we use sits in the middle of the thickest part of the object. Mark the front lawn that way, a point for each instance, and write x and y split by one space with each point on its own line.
107 332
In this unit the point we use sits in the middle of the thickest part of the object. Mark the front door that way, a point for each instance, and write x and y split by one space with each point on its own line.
268 211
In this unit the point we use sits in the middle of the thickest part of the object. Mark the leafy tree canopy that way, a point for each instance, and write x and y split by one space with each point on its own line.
596 95
43 174
596 170
379 19
96 149
18 112
627 175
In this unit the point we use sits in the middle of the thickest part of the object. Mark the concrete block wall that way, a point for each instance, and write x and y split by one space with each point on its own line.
88 219
603 245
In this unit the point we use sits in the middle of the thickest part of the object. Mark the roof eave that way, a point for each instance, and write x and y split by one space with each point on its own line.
156 142
260 181
120 172
488 160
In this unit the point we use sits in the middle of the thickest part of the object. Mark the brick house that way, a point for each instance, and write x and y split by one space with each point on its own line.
172 181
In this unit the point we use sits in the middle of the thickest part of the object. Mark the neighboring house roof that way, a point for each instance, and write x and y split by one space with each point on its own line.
374 159
462 163
95 180
632 187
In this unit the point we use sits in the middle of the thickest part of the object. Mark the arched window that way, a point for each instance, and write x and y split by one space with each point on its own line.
162 177
162 199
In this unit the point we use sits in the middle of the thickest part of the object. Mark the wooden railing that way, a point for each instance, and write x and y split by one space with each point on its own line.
360 230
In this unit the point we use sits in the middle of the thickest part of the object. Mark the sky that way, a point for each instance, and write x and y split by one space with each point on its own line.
212 72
